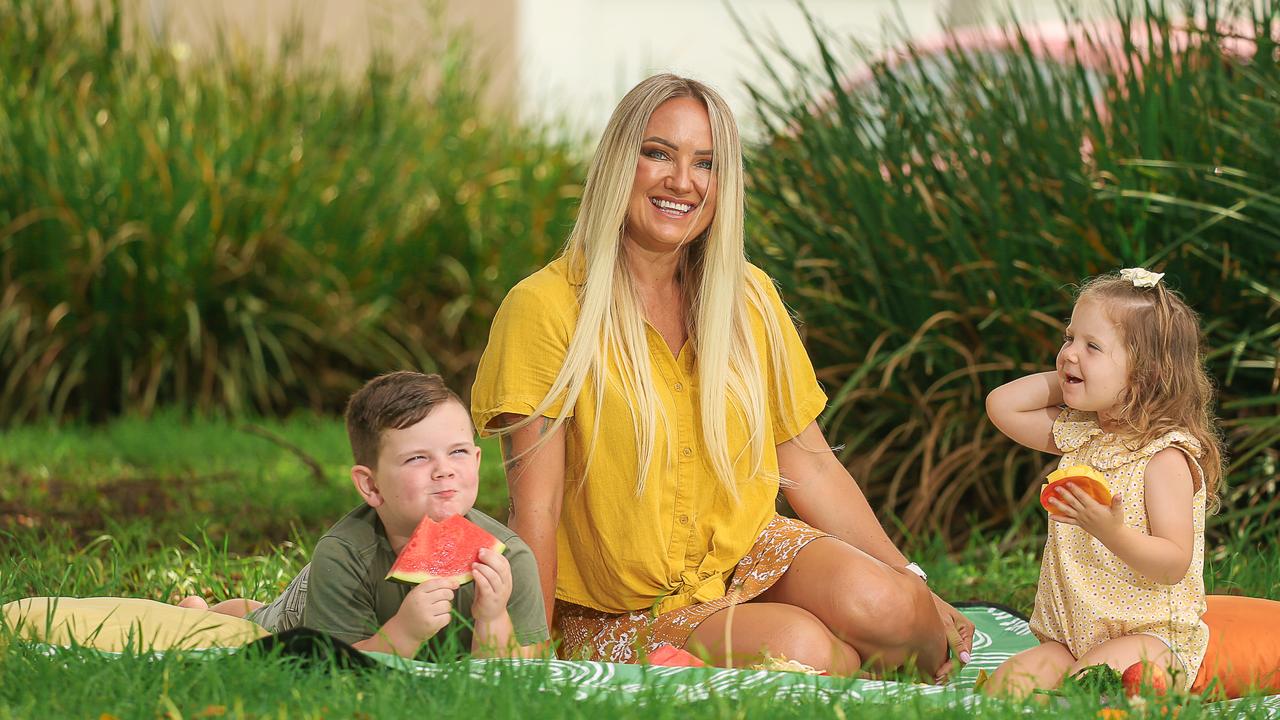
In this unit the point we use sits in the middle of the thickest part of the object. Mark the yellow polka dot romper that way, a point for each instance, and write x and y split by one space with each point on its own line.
1087 595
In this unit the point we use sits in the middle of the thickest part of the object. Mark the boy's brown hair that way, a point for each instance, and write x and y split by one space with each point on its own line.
392 401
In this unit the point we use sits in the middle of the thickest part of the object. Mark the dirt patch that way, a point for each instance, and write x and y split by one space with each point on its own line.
83 507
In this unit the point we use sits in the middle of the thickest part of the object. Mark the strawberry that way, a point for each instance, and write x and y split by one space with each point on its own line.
1142 676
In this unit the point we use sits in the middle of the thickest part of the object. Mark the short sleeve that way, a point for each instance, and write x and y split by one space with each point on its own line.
527 611
338 600
795 397
1188 445
1073 428
527 345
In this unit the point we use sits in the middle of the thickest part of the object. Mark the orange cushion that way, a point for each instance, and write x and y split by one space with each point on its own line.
1244 647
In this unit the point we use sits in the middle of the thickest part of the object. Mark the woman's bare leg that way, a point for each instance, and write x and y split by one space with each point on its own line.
887 615
743 634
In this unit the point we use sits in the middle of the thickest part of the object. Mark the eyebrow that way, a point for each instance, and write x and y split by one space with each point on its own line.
673 146
423 450
1086 336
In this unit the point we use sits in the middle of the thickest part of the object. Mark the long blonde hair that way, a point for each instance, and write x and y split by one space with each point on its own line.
1168 387
720 291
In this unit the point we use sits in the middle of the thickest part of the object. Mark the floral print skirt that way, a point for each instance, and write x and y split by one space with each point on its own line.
588 634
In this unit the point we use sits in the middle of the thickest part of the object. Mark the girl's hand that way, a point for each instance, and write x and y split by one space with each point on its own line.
1077 507
492 576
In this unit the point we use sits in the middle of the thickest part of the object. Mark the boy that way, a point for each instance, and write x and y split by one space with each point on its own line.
415 455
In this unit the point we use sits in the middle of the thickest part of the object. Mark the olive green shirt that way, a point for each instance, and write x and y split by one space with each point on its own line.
348 597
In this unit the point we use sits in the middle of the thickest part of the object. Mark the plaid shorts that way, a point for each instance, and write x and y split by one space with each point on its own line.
285 612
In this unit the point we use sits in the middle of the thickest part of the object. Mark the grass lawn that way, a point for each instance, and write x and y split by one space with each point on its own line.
166 507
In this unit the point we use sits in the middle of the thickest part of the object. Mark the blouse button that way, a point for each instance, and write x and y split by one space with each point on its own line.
684 519
687 452
679 387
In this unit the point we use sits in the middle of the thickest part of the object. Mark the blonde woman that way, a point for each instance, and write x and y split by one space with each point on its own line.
653 397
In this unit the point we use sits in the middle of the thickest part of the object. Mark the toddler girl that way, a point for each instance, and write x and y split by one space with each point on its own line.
1130 398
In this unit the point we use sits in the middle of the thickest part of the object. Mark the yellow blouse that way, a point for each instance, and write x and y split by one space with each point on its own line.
676 543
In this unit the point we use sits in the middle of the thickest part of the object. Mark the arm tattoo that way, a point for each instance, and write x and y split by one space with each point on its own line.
508 454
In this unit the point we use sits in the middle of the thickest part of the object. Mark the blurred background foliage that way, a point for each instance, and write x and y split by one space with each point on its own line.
252 237
249 234
927 219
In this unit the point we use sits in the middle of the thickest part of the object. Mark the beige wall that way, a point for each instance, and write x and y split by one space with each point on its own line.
352 29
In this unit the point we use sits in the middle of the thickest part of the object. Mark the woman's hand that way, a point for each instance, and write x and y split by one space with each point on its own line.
1076 507
959 638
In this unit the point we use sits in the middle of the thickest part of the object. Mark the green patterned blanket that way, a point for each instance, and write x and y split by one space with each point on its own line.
998 635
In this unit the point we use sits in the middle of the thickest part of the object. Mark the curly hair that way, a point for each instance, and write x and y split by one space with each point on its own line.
1168 387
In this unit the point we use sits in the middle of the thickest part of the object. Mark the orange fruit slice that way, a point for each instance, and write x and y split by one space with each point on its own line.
1083 477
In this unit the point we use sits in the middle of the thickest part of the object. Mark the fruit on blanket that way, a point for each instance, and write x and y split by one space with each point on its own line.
444 549
1083 477
783 663
672 656
1142 676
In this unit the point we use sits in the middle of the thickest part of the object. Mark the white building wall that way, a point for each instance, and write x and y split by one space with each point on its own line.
578 57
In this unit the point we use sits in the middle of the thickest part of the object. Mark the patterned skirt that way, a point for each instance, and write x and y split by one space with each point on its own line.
588 634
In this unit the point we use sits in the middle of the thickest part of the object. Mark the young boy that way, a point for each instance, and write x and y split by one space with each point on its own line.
415 455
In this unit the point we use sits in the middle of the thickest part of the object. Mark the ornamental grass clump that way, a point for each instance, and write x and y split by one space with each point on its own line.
928 215
249 231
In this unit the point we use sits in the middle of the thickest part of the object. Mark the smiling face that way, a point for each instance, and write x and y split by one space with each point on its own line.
673 195
429 468
1093 364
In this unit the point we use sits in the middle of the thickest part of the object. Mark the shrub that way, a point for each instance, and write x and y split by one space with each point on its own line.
244 234
927 225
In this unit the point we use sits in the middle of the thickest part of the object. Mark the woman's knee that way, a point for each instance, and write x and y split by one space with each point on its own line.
893 611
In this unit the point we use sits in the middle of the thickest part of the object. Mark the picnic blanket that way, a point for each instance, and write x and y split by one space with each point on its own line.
999 634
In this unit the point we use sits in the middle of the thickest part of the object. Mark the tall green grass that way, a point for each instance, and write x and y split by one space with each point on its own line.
928 223
249 234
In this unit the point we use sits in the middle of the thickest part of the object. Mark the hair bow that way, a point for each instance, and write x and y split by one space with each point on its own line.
1141 277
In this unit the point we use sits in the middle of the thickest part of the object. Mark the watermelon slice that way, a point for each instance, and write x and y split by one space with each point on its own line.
1083 477
444 549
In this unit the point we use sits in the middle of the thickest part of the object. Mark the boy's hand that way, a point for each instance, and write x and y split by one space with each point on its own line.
492 576
1077 507
425 609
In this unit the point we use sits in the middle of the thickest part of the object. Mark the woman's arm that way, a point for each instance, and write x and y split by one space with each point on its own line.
824 495
535 482
1026 408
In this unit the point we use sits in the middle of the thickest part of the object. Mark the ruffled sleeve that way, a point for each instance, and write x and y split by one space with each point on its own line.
1174 438
1073 428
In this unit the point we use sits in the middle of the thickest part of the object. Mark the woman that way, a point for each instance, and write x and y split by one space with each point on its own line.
653 395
